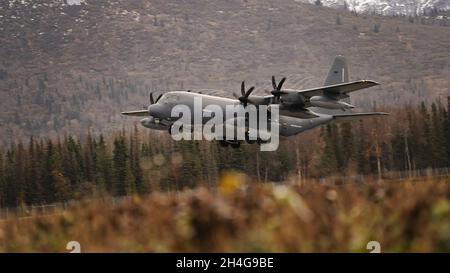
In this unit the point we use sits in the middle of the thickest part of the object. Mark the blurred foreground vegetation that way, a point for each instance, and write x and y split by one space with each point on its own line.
240 215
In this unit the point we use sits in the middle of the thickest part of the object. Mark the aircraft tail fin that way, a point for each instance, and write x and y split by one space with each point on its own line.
338 72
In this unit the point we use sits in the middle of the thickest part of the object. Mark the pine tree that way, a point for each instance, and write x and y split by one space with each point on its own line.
347 144
361 147
20 174
51 163
33 177
104 169
2 181
424 155
445 127
72 162
10 188
414 139
135 164
328 161
398 151
121 167
89 153
437 142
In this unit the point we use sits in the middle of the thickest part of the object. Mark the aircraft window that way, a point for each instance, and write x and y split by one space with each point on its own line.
163 99
170 98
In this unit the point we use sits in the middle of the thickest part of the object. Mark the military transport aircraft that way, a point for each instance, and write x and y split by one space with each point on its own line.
299 110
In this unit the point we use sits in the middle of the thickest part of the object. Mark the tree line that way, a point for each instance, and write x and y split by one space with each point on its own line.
136 161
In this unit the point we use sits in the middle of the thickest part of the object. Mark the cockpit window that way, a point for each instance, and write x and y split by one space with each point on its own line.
169 98
163 99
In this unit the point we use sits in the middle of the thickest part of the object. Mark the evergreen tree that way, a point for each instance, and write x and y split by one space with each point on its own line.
2 181
90 155
135 164
121 167
328 161
424 155
51 163
346 145
10 188
104 169
437 142
447 130
361 147
398 151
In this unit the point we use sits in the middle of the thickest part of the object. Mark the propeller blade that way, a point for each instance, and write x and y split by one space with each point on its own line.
243 88
249 91
151 99
244 95
274 83
280 84
158 98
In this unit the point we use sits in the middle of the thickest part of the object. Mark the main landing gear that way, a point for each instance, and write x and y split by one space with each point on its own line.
233 144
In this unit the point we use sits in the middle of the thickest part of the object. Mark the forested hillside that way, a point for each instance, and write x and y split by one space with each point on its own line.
138 161
70 69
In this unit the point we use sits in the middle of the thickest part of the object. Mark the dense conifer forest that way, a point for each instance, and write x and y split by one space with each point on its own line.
138 161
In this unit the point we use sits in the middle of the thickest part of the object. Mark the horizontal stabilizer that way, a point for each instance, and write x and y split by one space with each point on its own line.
338 89
138 113
357 116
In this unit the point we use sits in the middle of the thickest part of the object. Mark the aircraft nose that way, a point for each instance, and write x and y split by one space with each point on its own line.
156 110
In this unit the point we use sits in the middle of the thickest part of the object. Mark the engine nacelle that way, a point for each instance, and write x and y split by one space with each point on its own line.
329 103
152 123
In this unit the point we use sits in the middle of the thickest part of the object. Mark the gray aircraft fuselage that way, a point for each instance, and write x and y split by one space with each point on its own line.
161 112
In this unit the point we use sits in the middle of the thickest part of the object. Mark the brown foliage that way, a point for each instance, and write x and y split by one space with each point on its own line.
239 216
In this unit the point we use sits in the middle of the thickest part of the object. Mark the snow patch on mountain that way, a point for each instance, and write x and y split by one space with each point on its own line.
387 7
74 2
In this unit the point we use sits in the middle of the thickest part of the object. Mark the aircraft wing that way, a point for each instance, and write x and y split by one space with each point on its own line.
340 89
357 116
138 113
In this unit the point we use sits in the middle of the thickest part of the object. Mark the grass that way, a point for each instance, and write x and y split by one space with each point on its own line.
242 216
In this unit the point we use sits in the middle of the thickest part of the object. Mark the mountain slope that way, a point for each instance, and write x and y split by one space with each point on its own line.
69 68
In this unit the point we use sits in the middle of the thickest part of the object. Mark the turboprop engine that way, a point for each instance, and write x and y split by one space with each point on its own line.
329 103
152 123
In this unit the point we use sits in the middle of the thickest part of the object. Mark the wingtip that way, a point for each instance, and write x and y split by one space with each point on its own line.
372 82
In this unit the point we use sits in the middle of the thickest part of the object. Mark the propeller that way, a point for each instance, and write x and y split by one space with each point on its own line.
277 92
245 94
152 101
